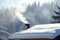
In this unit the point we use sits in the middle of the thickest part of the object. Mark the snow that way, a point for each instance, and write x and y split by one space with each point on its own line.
5 32
3 27
46 26
38 31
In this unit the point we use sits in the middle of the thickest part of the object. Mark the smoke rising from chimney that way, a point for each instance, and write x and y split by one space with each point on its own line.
21 17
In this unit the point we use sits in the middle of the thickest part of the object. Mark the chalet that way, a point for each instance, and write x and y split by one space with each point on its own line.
38 32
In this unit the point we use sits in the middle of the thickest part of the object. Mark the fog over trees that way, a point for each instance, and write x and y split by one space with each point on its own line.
34 14
9 20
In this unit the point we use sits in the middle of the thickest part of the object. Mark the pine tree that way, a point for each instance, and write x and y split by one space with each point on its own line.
57 16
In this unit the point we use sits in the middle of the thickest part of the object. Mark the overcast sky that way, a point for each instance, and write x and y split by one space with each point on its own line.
15 3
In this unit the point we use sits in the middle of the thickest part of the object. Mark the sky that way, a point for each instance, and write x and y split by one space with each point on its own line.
15 3
7 3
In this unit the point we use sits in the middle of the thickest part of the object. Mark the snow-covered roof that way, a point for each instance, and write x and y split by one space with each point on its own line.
37 31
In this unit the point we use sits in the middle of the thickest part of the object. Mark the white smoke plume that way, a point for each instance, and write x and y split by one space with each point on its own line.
20 16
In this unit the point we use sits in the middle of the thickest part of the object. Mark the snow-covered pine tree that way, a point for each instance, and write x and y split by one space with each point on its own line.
57 16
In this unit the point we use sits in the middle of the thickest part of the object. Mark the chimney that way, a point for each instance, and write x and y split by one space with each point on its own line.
27 26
